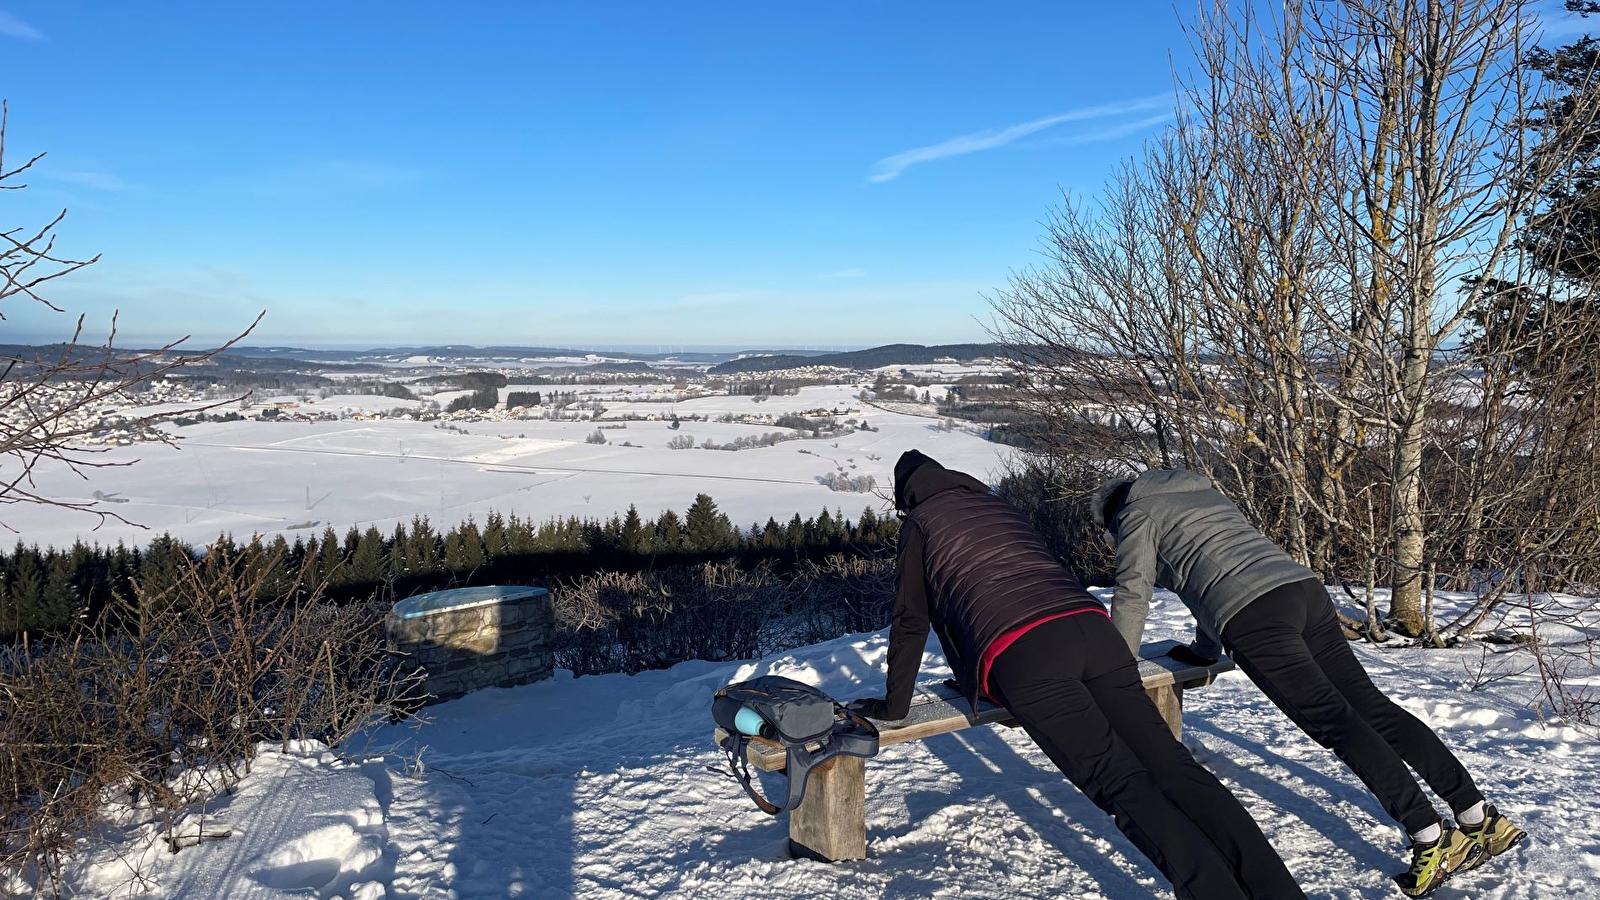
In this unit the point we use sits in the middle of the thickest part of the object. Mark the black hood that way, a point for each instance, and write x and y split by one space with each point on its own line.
918 477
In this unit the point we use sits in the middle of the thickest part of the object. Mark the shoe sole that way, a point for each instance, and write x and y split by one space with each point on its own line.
1422 893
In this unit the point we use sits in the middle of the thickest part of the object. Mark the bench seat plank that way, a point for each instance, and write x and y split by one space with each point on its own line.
937 708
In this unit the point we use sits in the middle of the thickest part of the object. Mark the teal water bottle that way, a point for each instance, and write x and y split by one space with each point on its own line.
750 722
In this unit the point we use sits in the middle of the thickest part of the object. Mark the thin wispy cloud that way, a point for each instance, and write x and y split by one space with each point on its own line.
1109 133
890 167
845 273
11 26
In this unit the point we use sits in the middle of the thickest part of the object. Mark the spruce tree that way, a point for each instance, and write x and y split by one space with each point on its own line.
471 545
330 562
10 625
422 551
494 535
394 555
60 602
455 559
633 531
277 565
669 534
704 527
795 538
165 565
25 586
366 563
611 539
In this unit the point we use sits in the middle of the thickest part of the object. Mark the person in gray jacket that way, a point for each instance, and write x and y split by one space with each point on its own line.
1175 530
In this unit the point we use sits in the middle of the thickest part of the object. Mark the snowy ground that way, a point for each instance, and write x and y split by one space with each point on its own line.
269 477
598 788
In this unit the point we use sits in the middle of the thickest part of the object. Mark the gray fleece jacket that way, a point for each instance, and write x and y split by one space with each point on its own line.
1178 532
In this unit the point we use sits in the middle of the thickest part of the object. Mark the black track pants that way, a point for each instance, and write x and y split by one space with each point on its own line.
1072 684
1288 641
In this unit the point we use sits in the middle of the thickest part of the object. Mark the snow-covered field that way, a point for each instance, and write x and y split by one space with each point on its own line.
599 788
268 477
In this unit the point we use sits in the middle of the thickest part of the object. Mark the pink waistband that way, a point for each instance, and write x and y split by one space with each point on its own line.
1000 643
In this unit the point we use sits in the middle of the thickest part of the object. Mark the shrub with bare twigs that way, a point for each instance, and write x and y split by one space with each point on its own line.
163 700
630 622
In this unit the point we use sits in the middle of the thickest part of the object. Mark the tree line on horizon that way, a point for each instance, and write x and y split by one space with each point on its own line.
44 591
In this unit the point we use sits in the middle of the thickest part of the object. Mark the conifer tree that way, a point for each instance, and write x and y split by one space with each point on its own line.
277 560
422 551
822 533
257 568
455 558
795 538
60 602
633 531
165 563
705 528
123 565
471 545
25 587
330 562
394 555
669 534
366 563
494 535
611 538
9 623
521 536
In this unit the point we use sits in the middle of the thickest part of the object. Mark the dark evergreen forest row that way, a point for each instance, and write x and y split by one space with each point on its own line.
42 591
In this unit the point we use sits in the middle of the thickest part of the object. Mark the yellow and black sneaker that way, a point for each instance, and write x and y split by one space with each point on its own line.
1495 835
1433 861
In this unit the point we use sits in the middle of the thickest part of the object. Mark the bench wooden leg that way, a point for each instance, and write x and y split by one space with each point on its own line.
1169 700
830 824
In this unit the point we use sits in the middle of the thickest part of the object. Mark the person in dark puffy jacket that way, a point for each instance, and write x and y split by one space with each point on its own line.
1175 530
1017 627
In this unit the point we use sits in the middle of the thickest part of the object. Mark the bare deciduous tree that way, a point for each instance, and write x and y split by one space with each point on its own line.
49 396
1269 294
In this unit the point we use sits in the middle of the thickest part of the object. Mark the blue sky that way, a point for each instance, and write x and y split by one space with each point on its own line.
592 174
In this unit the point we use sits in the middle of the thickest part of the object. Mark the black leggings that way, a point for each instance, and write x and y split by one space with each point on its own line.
1072 684
1288 641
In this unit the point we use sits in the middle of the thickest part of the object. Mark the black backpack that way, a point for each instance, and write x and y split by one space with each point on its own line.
811 727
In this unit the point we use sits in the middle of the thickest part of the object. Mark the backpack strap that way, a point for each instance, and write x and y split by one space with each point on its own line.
734 744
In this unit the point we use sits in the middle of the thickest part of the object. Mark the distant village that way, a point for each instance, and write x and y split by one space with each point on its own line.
159 410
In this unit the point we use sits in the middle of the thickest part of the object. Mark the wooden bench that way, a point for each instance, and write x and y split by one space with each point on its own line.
830 824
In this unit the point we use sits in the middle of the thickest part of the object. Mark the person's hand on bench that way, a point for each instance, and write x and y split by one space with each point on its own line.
875 708
1186 654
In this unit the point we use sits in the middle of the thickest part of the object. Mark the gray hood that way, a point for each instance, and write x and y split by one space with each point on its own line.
1167 481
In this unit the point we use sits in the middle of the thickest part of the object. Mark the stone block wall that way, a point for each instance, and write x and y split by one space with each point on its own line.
472 638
